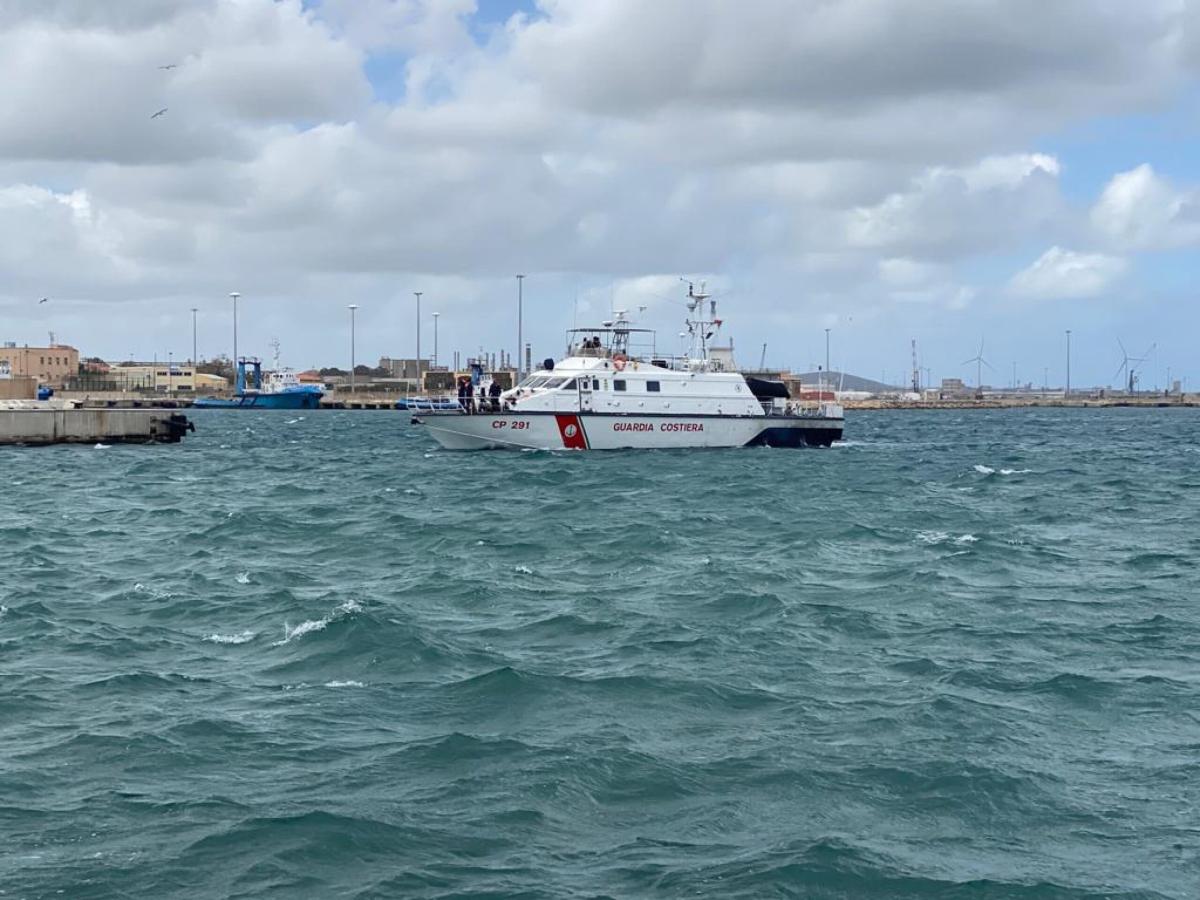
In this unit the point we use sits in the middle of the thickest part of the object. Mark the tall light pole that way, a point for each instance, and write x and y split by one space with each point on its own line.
520 317
827 351
235 295
435 318
194 358
418 294
170 368
352 307
1067 393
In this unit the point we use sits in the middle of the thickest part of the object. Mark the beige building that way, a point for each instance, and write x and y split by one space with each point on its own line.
49 365
163 379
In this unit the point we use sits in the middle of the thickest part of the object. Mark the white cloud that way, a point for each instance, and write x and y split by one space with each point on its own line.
1139 210
1065 274
826 156
955 211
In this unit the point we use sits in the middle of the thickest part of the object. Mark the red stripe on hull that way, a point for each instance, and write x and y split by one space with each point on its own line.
571 430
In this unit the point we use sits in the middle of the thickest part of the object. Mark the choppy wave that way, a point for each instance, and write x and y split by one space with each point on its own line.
955 658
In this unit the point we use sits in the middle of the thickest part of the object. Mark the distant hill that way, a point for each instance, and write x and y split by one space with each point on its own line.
847 382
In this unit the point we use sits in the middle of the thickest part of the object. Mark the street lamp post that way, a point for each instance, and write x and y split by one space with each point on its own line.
418 294
520 317
170 372
352 307
194 358
827 352
235 295
1067 393
435 357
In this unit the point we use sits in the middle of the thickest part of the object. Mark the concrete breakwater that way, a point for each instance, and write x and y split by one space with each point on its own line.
1015 402
37 424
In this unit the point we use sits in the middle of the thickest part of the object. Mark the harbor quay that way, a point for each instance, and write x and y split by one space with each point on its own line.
387 401
32 423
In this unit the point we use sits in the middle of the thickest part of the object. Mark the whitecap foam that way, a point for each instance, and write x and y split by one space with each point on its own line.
242 578
523 570
306 627
231 638
985 470
346 608
155 593
942 537
342 684
1015 471
102 447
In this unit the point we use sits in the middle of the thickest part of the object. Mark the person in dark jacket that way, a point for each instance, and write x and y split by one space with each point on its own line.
462 394
494 393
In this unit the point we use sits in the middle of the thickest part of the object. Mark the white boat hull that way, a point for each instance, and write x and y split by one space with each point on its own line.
593 431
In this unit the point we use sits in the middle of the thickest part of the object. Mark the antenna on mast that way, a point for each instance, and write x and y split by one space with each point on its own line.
916 370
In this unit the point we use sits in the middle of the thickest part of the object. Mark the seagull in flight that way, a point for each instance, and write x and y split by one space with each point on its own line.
43 300
170 66
159 113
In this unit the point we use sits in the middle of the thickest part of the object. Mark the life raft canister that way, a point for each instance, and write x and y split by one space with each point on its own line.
619 362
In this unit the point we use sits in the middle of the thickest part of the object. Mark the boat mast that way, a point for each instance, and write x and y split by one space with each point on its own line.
700 329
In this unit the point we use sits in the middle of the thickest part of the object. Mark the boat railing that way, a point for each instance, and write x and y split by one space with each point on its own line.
781 407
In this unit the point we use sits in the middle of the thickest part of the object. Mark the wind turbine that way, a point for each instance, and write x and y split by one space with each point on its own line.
980 362
1138 359
1129 367
1124 367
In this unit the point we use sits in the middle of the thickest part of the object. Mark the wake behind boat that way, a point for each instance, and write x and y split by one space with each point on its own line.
601 396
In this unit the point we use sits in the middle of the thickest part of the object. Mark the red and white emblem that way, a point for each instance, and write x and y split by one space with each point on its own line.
571 430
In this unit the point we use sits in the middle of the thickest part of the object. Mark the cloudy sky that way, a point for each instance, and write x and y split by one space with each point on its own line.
999 169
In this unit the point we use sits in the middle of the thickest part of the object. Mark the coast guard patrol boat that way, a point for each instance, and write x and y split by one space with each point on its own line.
602 396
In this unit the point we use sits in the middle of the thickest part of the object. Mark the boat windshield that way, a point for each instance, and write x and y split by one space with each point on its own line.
555 383
536 381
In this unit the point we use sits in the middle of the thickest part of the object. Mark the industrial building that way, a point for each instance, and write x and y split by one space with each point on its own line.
51 365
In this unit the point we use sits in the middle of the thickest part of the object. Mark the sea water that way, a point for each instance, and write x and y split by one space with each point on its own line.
313 655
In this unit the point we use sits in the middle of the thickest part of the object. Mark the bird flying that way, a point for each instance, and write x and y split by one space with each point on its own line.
159 113
170 66
43 300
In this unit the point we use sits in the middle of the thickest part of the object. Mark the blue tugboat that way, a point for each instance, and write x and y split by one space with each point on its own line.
283 390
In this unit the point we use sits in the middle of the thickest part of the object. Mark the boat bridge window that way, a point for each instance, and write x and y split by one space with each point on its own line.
595 384
618 385
569 386
653 386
